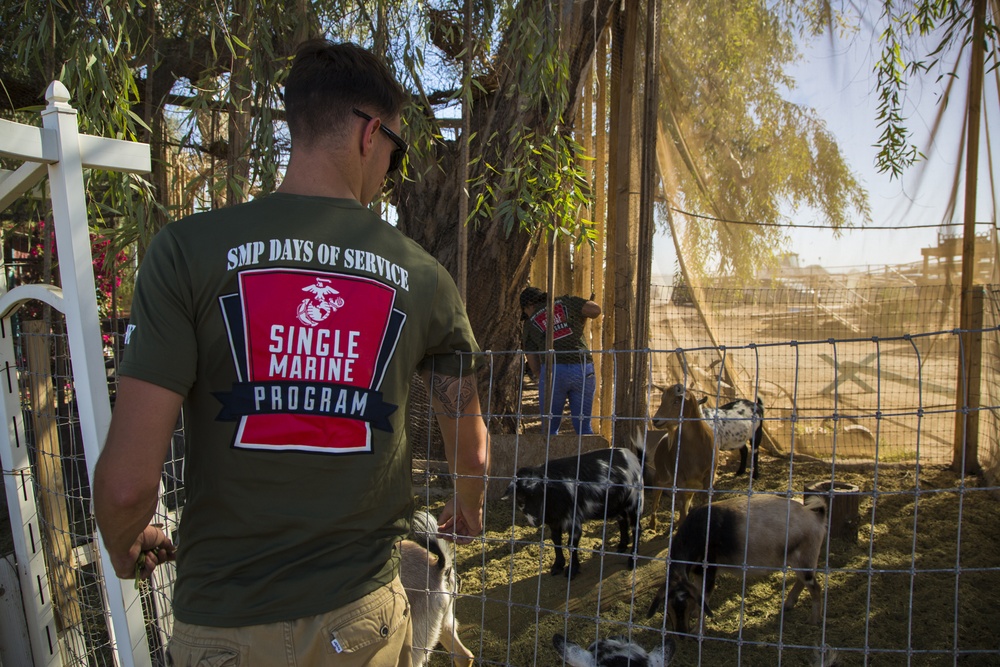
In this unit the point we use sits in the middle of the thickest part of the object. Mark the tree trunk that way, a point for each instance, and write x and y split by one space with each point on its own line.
239 106
428 206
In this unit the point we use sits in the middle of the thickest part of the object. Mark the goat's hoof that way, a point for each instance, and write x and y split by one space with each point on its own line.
571 573
556 569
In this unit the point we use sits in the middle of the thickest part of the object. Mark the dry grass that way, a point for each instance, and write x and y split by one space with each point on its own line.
897 587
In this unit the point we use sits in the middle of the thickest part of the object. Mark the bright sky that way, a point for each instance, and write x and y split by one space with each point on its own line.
836 79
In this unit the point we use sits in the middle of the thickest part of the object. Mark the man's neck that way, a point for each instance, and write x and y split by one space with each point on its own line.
315 184
315 189
318 176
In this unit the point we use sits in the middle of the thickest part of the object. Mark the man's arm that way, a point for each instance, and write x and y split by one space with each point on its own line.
533 363
127 476
466 445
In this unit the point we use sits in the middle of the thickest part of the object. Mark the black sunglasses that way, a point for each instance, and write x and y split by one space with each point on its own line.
396 158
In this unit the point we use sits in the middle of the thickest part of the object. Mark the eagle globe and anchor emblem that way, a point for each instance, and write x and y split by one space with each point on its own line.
325 300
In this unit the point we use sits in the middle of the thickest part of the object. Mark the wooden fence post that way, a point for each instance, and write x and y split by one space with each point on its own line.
969 392
56 526
966 459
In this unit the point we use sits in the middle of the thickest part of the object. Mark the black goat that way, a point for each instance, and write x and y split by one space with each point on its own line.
564 493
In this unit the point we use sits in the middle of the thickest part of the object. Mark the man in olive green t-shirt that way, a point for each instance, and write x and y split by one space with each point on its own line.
289 329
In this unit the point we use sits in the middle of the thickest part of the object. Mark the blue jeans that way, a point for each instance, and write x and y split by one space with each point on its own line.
574 383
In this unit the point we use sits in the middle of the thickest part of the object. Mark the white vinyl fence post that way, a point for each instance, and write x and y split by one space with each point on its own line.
20 487
66 152
15 644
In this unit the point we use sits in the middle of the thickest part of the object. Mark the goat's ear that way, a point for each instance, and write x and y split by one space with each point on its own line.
706 608
528 485
703 400
510 490
694 595
572 654
669 648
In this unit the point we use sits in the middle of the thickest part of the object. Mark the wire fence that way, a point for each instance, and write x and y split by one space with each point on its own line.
870 358
866 421
907 568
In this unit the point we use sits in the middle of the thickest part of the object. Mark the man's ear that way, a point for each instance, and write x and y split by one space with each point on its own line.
368 136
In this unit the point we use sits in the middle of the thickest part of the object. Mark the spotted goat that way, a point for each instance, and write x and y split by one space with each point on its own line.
613 652
427 571
733 424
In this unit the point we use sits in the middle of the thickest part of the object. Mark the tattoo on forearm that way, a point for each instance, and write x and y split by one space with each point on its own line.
454 393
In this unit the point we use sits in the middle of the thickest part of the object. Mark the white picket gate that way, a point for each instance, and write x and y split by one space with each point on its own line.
58 150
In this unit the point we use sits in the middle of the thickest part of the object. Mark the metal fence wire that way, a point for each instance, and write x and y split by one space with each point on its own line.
862 419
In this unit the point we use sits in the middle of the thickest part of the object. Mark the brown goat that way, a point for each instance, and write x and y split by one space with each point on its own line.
762 533
684 459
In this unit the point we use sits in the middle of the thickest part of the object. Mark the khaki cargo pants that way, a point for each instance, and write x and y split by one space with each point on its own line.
374 631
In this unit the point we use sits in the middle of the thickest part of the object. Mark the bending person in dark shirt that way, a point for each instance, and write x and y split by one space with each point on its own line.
573 377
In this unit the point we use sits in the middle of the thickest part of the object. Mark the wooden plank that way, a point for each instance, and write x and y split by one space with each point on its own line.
593 594
967 415
969 391
624 169
56 525
847 323
603 399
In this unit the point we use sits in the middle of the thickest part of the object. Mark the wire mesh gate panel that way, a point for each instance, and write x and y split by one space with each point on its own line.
908 570
67 535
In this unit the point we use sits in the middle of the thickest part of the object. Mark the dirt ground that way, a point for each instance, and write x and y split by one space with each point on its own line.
921 576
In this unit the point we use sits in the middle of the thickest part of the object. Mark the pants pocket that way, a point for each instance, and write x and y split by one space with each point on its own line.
189 652
370 624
